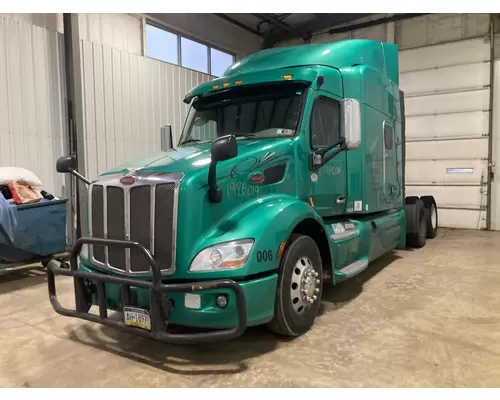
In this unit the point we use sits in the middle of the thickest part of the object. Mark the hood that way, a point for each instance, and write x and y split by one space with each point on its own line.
194 158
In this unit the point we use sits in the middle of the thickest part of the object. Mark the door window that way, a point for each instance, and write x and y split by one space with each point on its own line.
325 123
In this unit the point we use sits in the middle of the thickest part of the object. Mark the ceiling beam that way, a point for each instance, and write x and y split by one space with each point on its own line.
320 23
238 24
275 21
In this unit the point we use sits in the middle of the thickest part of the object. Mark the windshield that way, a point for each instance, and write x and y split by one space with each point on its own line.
257 112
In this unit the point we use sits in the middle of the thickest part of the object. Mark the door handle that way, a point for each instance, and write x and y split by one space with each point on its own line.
340 200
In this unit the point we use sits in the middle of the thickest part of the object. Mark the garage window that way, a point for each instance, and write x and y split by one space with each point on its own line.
388 135
194 55
176 49
162 45
219 61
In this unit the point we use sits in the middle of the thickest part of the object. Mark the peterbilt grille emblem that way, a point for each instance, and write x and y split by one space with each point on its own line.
127 180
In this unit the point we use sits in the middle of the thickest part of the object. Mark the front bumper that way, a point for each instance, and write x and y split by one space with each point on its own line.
158 297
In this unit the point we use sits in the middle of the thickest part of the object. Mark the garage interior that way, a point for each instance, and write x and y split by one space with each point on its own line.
105 88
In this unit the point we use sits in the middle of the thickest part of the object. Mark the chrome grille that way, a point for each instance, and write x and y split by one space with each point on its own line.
164 222
140 225
115 211
97 201
145 212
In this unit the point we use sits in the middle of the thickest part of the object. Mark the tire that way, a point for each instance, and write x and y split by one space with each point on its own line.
293 314
416 222
431 216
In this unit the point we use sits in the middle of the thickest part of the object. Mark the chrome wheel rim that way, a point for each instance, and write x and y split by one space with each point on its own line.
433 216
304 288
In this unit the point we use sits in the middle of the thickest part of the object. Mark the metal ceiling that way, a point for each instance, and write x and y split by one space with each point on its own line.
277 27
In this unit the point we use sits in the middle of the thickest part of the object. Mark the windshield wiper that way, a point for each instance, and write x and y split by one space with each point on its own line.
247 135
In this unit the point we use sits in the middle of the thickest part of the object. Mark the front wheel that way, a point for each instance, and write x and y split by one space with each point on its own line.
299 289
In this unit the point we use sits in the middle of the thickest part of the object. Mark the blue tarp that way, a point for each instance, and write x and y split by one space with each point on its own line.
33 230
8 219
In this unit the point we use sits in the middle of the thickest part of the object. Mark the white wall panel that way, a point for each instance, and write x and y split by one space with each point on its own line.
443 126
476 100
438 172
462 219
456 78
452 196
445 55
122 31
32 121
447 150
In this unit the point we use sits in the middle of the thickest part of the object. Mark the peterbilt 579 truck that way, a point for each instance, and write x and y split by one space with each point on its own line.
289 174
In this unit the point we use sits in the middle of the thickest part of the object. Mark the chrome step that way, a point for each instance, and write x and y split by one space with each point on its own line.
355 267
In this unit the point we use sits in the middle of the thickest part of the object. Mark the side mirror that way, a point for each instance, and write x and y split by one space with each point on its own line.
166 140
66 164
224 148
351 127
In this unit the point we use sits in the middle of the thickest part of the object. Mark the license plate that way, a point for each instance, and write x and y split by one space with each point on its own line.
137 317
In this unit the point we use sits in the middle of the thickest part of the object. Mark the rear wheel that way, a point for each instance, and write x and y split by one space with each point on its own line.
416 219
299 288
431 217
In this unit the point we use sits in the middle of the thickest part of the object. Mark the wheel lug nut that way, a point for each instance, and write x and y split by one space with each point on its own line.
317 281
316 290
316 274
315 298
311 301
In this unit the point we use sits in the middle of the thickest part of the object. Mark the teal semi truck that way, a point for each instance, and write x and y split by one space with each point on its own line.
289 174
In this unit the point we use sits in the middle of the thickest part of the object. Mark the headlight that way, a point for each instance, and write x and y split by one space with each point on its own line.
222 256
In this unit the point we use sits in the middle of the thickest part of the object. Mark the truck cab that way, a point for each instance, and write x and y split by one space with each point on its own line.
288 175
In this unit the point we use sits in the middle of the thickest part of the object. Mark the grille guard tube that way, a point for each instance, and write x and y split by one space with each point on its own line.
156 288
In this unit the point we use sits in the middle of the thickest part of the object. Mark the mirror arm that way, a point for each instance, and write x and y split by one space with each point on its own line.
79 176
328 158
214 192
322 153
325 150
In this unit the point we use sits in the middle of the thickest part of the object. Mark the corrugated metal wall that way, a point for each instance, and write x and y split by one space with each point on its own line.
127 98
32 121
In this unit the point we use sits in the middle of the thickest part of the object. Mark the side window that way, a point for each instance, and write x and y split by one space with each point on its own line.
388 135
325 123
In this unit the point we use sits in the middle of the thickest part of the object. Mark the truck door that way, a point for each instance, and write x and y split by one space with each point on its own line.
392 187
328 184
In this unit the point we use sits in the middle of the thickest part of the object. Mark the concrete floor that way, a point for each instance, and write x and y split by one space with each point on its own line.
423 318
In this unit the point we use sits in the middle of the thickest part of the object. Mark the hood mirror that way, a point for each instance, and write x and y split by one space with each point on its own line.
68 165
223 148
166 140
